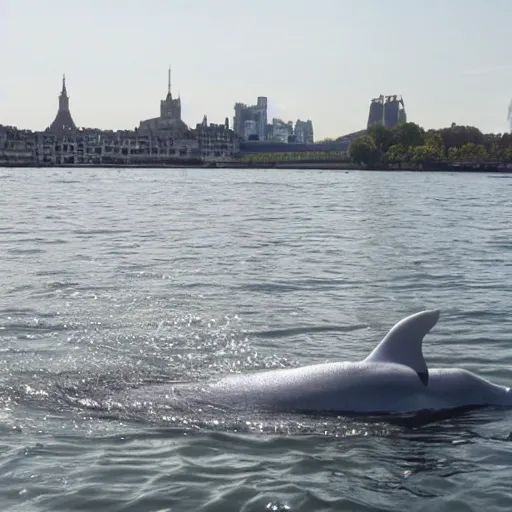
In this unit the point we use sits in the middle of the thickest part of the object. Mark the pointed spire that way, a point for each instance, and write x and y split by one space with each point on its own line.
169 81
63 121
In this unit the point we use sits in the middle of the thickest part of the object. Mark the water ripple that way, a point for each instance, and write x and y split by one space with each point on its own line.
118 283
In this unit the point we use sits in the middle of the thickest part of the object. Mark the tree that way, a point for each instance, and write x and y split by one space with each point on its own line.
507 154
397 153
363 150
495 152
453 154
472 151
435 141
409 134
457 136
410 142
506 141
384 137
425 153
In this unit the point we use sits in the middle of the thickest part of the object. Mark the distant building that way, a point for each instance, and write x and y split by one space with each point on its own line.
387 111
93 147
286 133
304 132
216 141
251 121
17 146
169 122
3 136
63 122
250 130
281 131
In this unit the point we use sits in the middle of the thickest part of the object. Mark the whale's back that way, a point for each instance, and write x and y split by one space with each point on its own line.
357 387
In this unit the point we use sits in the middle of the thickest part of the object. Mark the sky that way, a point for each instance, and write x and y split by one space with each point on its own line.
323 60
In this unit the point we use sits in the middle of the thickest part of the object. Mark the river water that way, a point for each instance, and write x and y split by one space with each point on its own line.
116 283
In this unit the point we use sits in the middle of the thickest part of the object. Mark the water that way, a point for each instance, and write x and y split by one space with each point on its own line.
115 283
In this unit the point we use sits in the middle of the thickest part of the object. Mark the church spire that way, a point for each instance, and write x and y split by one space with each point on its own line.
169 82
63 121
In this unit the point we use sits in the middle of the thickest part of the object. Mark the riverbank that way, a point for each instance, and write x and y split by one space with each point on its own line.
201 165
480 167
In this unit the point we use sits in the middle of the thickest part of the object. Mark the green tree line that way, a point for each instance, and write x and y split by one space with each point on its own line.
409 142
312 156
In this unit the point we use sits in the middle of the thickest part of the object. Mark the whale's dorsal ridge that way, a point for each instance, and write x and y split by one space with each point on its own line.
403 343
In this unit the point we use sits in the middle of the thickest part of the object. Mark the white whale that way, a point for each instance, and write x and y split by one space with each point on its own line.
394 378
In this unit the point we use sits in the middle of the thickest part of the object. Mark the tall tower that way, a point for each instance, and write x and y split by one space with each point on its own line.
63 122
170 108
169 94
388 111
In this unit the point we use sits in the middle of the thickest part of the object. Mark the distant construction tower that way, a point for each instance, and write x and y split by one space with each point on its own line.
387 111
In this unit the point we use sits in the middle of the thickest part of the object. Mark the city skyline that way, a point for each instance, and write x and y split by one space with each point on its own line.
318 67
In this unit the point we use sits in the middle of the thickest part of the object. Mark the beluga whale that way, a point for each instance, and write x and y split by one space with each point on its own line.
393 379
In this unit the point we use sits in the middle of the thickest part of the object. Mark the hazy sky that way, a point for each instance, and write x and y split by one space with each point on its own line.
322 60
